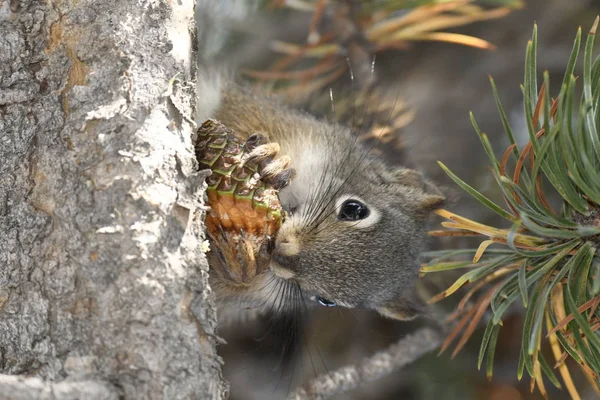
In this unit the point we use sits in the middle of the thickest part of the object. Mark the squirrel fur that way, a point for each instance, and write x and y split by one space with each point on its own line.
355 226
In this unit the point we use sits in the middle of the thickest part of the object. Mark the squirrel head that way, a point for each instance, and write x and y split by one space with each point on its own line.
355 226
354 231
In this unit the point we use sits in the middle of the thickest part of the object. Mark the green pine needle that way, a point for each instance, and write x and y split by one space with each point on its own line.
549 262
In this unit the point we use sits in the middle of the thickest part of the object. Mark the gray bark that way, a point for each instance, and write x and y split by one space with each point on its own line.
102 275
20 388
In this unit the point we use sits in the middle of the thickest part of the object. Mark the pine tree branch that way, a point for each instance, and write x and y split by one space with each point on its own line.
381 364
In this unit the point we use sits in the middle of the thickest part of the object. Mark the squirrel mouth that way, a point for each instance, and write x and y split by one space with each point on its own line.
281 272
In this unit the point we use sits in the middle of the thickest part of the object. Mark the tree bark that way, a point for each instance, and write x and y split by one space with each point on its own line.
103 282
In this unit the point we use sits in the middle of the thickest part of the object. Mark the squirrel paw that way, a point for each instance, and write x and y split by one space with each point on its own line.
277 172
274 171
254 141
262 153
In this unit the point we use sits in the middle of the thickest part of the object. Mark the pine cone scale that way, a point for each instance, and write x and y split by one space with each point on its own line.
245 212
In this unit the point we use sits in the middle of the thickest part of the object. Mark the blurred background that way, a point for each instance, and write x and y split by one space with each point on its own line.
434 86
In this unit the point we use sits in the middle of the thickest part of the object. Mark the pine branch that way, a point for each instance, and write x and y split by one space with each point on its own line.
381 364
548 259
347 33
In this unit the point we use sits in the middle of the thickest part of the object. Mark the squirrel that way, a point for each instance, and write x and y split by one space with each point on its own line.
355 225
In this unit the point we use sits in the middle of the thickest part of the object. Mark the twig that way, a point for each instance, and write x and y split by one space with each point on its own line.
345 23
381 364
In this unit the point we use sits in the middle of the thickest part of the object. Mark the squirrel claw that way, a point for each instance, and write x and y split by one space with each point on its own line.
277 172
274 171
274 167
255 140
283 178
263 153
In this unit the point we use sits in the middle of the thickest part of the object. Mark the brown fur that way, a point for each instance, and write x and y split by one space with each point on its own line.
373 266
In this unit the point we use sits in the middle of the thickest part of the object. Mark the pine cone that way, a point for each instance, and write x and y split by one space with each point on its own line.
245 213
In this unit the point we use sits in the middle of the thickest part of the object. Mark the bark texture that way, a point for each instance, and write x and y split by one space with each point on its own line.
19 388
102 274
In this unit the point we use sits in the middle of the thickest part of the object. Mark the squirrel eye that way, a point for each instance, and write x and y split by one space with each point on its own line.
353 210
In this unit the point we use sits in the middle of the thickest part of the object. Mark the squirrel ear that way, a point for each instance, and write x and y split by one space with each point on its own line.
430 202
401 309
430 197
407 177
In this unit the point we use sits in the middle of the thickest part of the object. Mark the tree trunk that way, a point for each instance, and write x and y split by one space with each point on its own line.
103 282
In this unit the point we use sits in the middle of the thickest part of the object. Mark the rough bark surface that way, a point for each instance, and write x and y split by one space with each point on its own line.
102 275
20 388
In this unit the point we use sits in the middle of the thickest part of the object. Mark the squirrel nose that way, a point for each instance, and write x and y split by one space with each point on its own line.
286 253
285 258
287 243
